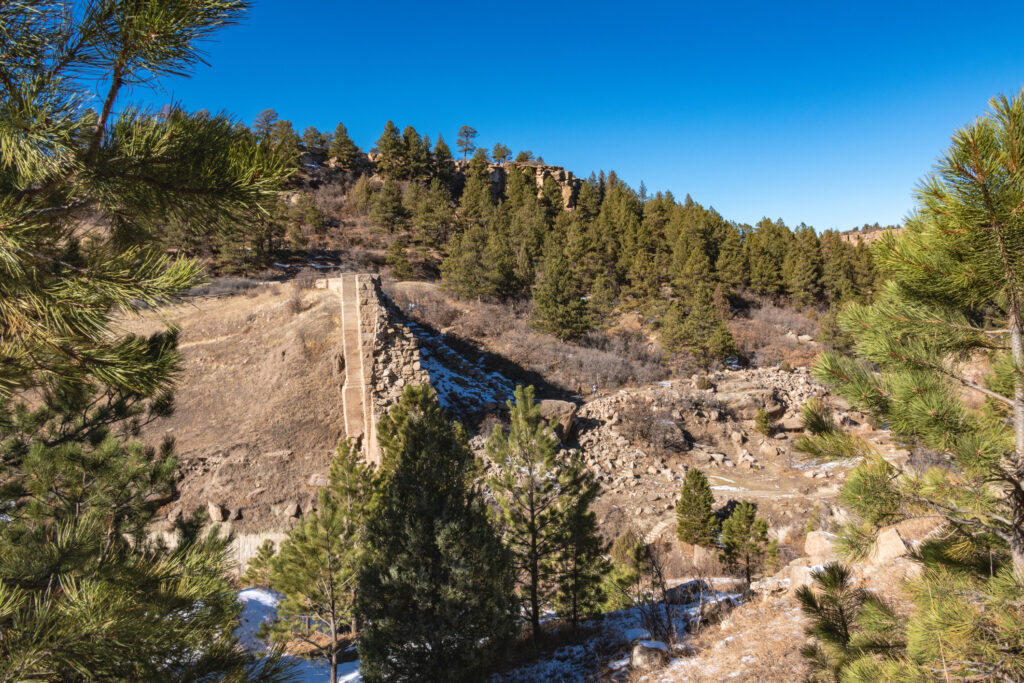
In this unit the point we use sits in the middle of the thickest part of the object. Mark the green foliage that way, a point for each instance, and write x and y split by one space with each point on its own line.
397 259
850 626
744 540
435 590
258 572
85 592
763 423
343 149
701 331
316 566
558 304
465 140
543 494
500 153
953 295
387 210
696 522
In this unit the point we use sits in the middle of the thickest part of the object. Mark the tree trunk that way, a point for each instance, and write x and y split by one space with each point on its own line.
535 593
1017 495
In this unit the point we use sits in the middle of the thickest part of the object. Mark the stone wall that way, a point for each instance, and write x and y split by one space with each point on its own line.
395 350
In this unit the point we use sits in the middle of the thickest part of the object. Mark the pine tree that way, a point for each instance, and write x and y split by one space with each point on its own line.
696 522
500 153
313 139
343 149
263 125
846 624
391 161
730 265
766 247
387 210
316 566
477 202
416 156
744 540
443 163
435 592
701 332
285 142
258 572
580 566
537 487
465 141
953 295
801 269
85 592
398 260
558 304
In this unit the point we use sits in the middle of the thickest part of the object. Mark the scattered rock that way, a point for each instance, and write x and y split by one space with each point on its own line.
819 547
888 546
648 655
563 412
216 512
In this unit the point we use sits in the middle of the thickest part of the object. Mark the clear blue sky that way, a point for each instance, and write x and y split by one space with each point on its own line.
822 112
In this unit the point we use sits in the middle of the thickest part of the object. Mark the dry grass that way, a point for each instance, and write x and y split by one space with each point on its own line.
759 642
607 360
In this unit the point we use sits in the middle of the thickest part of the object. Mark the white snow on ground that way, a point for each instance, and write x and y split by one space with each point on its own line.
258 606
613 636
610 644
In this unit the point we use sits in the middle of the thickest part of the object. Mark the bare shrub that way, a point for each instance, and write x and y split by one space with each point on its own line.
330 199
784 318
223 286
640 421
305 279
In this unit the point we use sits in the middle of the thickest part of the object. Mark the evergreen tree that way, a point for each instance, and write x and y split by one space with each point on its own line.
397 259
416 156
953 295
730 265
258 572
477 202
313 139
263 125
837 278
846 624
766 247
500 153
285 142
744 540
343 149
84 591
801 269
391 148
463 272
443 163
435 592
580 566
558 304
434 215
701 332
465 141
387 210
696 522
537 487
316 566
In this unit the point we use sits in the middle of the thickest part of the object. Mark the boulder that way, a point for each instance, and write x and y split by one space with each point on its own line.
768 586
648 655
686 592
563 413
216 512
888 546
712 612
819 547
800 575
